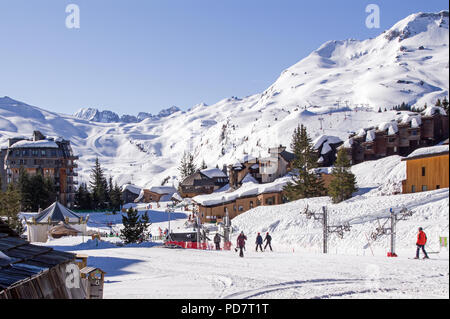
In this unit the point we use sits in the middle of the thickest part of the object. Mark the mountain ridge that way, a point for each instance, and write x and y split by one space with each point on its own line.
336 90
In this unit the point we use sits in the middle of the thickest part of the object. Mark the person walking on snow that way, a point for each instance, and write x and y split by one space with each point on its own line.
259 242
217 241
421 242
241 243
268 241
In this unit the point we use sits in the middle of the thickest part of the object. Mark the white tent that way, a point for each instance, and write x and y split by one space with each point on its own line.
39 226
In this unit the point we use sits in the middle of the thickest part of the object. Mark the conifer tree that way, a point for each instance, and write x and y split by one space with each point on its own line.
10 207
204 166
307 183
343 183
187 166
445 104
134 227
98 186
116 198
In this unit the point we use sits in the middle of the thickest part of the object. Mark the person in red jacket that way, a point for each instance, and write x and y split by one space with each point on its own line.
241 244
421 242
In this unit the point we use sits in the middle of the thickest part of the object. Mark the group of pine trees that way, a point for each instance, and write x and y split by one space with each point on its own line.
101 194
406 107
28 193
187 166
307 183
10 207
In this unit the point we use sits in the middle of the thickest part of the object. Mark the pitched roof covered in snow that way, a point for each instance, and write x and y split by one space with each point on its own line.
213 173
57 213
163 190
248 188
428 152
432 110
35 144
132 188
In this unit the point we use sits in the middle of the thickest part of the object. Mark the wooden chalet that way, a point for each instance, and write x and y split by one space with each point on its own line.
399 137
35 272
203 182
427 169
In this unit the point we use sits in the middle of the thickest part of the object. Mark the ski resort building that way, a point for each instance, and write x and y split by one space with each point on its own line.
263 170
130 193
427 169
38 227
213 207
326 148
156 194
53 158
203 182
399 137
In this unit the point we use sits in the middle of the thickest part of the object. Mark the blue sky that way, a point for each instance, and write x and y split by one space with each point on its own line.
146 55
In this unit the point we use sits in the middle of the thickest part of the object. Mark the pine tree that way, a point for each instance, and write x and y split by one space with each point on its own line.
116 198
438 102
204 166
134 228
445 104
98 186
307 183
10 207
83 199
343 183
187 166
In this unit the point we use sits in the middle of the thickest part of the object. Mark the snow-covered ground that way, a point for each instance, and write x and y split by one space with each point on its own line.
149 271
296 268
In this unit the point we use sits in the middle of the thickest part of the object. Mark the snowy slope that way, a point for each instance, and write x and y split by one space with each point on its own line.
379 72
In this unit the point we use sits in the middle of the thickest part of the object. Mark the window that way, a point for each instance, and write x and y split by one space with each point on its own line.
413 189
424 188
241 208
438 186
251 204
43 153
424 170
369 147
414 133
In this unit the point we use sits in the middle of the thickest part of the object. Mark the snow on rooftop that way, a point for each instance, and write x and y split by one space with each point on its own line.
362 132
432 110
213 173
325 139
391 127
163 190
370 136
429 151
249 179
247 189
348 143
34 144
132 188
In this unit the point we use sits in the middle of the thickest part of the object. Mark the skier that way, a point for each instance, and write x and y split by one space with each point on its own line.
421 241
259 242
217 241
241 244
268 241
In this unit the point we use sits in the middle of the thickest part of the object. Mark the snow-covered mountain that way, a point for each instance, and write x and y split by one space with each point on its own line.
337 89
94 115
